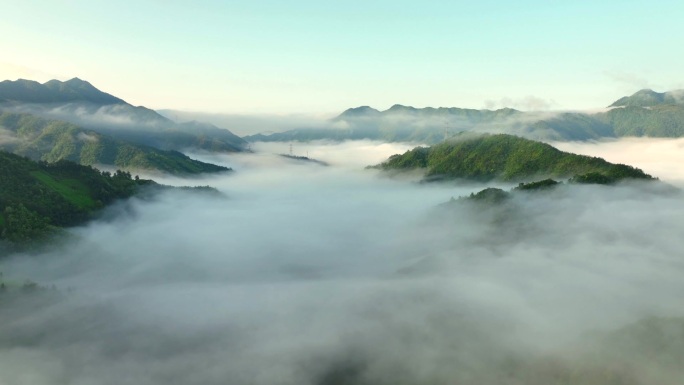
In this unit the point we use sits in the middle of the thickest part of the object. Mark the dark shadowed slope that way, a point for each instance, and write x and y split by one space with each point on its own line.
52 140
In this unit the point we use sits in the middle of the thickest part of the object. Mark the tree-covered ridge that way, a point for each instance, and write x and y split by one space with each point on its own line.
503 157
661 121
650 98
53 140
36 197
54 91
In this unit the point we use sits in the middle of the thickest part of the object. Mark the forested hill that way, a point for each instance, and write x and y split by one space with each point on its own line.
53 140
36 197
504 157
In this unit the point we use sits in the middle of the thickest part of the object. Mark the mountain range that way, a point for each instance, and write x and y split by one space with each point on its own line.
153 141
75 121
54 91
78 102
646 113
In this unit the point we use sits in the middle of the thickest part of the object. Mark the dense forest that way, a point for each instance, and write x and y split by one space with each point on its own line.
504 157
36 198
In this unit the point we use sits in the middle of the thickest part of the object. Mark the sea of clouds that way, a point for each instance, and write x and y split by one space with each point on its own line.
299 273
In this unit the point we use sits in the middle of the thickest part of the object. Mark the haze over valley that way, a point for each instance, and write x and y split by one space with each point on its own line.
341 194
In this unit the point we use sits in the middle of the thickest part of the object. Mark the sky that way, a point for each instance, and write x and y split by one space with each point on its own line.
321 57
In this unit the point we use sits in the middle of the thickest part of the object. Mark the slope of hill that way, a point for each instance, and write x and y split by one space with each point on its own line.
37 197
504 157
78 102
573 126
661 121
52 140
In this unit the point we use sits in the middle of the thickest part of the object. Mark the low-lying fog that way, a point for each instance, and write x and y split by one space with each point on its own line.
305 274
659 157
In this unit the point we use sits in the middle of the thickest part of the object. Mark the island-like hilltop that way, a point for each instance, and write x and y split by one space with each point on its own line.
485 157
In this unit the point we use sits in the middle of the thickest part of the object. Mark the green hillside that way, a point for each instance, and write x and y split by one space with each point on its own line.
503 157
37 197
573 126
53 140
662 121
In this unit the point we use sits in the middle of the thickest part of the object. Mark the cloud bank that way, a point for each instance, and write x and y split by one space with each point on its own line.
303 274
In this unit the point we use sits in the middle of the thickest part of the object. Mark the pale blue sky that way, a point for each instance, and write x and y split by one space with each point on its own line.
318 57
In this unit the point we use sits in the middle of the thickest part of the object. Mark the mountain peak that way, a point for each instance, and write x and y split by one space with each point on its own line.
55 91
78 82
401 108
648 98
357 112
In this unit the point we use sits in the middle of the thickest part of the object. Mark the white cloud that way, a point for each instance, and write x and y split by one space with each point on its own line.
309 275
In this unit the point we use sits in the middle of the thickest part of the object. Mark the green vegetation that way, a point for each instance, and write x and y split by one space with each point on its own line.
572 126
665 121
504 157
490 195
592 178
36 198
650 98
545 184
52 140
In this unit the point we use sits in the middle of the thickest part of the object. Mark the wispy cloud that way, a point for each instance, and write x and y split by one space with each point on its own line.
527 103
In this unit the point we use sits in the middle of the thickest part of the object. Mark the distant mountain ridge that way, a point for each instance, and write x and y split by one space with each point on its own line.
79 102
650 98
54 91
407 124
399 109
645 113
